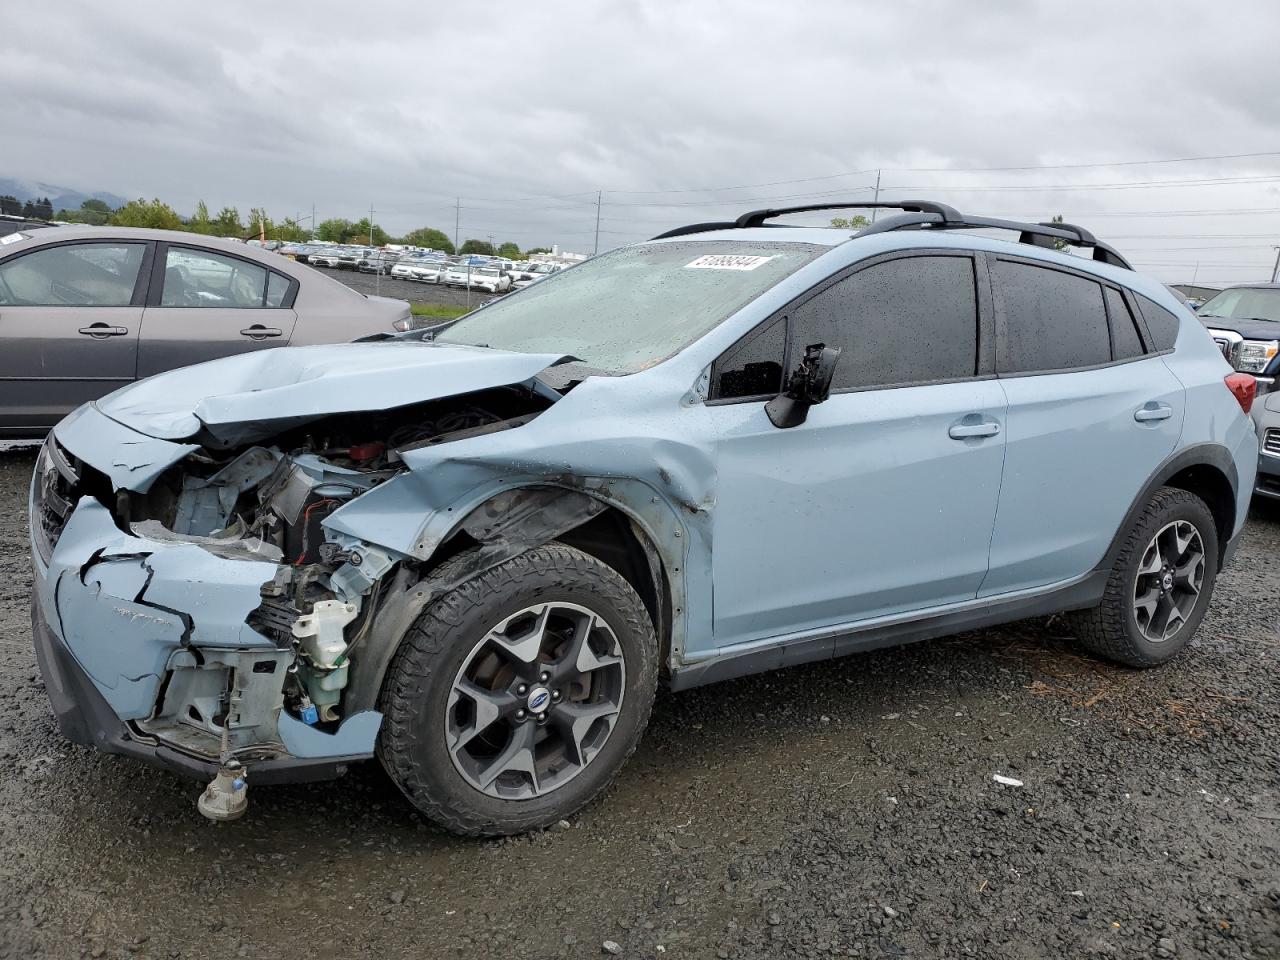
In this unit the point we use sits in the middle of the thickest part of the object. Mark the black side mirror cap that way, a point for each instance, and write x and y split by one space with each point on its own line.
809 384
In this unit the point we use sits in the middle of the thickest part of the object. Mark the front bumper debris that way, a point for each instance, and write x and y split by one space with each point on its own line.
140 641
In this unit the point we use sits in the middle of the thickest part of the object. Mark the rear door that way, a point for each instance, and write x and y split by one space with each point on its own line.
207 303
1093 411
69 318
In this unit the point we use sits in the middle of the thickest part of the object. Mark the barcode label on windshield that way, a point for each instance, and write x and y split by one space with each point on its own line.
726 261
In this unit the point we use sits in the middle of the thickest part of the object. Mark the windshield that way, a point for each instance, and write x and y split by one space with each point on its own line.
629 309
1245 303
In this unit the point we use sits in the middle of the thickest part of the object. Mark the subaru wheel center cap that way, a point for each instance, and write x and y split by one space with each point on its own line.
1167 582
539 698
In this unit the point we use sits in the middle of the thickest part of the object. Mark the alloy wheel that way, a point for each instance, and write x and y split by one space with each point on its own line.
535 700
1170 576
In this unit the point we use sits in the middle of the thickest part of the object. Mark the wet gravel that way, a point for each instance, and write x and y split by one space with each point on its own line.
411 290
839 809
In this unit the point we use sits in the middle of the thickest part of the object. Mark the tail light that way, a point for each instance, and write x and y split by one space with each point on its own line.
1243 387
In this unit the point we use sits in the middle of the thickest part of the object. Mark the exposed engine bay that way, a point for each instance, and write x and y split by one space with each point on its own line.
268 502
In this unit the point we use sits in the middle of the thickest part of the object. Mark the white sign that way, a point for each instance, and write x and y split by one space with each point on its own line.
12 237
726 261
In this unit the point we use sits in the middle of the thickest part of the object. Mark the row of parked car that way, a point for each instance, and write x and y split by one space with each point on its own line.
489 274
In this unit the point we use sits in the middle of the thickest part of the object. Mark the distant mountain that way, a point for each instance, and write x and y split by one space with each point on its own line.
62 198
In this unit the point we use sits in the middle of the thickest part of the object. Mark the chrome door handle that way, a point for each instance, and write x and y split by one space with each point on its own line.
101 330
259 332
1153 411
968 431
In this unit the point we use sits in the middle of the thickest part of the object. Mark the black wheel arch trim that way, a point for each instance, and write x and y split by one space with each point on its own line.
1211 455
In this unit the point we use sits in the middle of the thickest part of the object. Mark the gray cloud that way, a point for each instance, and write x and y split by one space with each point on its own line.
407 106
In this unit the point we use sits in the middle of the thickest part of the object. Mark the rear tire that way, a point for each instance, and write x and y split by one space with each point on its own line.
1160 585
543 669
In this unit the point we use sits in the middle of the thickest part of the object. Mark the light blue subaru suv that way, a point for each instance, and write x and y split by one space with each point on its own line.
476 552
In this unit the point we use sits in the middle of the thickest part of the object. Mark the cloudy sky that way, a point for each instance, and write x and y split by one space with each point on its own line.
678 112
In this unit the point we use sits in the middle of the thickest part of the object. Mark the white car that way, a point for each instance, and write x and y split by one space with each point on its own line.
424 271
477 278
533 273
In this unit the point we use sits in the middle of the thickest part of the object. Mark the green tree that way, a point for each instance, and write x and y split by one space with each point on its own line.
428 237
227 223
335 231
530 253
200 222
140 213
44 209
28 209
260 225
509 250
856 222
11 205
1058 243
96 212
288 229
482 247
360 229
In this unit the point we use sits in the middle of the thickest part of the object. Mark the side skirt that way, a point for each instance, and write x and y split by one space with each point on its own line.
842 641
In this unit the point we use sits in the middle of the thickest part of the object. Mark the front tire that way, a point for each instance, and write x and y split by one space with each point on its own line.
1160 585
517 697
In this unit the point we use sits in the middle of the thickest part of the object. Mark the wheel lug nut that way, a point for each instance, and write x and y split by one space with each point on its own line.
522 689
542 717
555 696
544 677
520 714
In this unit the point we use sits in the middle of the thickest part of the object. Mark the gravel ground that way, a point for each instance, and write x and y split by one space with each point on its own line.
839 809
409 290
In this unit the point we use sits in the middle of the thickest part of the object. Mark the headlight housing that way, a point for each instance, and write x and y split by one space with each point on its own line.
1254 356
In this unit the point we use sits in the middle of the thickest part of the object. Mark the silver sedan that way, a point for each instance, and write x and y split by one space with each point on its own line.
85 310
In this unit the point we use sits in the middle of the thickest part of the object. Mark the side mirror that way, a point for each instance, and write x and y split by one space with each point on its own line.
808 384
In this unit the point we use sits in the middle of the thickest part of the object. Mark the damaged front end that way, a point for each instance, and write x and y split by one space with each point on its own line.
193 604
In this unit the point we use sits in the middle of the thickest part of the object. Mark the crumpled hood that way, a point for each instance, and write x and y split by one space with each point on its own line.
252 395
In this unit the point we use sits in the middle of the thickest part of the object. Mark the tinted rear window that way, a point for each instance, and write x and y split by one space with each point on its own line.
1124 332
1052 320
1162 324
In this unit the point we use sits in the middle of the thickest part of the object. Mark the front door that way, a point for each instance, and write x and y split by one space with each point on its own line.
883 501
69 319
207 304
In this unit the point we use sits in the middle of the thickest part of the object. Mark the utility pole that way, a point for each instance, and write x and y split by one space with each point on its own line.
457 219
491 246
1275 271
313 218
874 211
596 248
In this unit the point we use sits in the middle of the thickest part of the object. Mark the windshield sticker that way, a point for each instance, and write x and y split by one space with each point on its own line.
13 237
726 261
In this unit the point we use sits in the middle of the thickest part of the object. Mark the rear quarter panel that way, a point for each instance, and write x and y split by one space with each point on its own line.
1212 414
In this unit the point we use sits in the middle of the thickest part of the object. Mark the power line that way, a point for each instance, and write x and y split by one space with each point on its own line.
1040 166
1119 185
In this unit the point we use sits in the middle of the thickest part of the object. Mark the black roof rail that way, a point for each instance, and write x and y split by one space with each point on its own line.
696 228
757 218
925 215
1035 234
